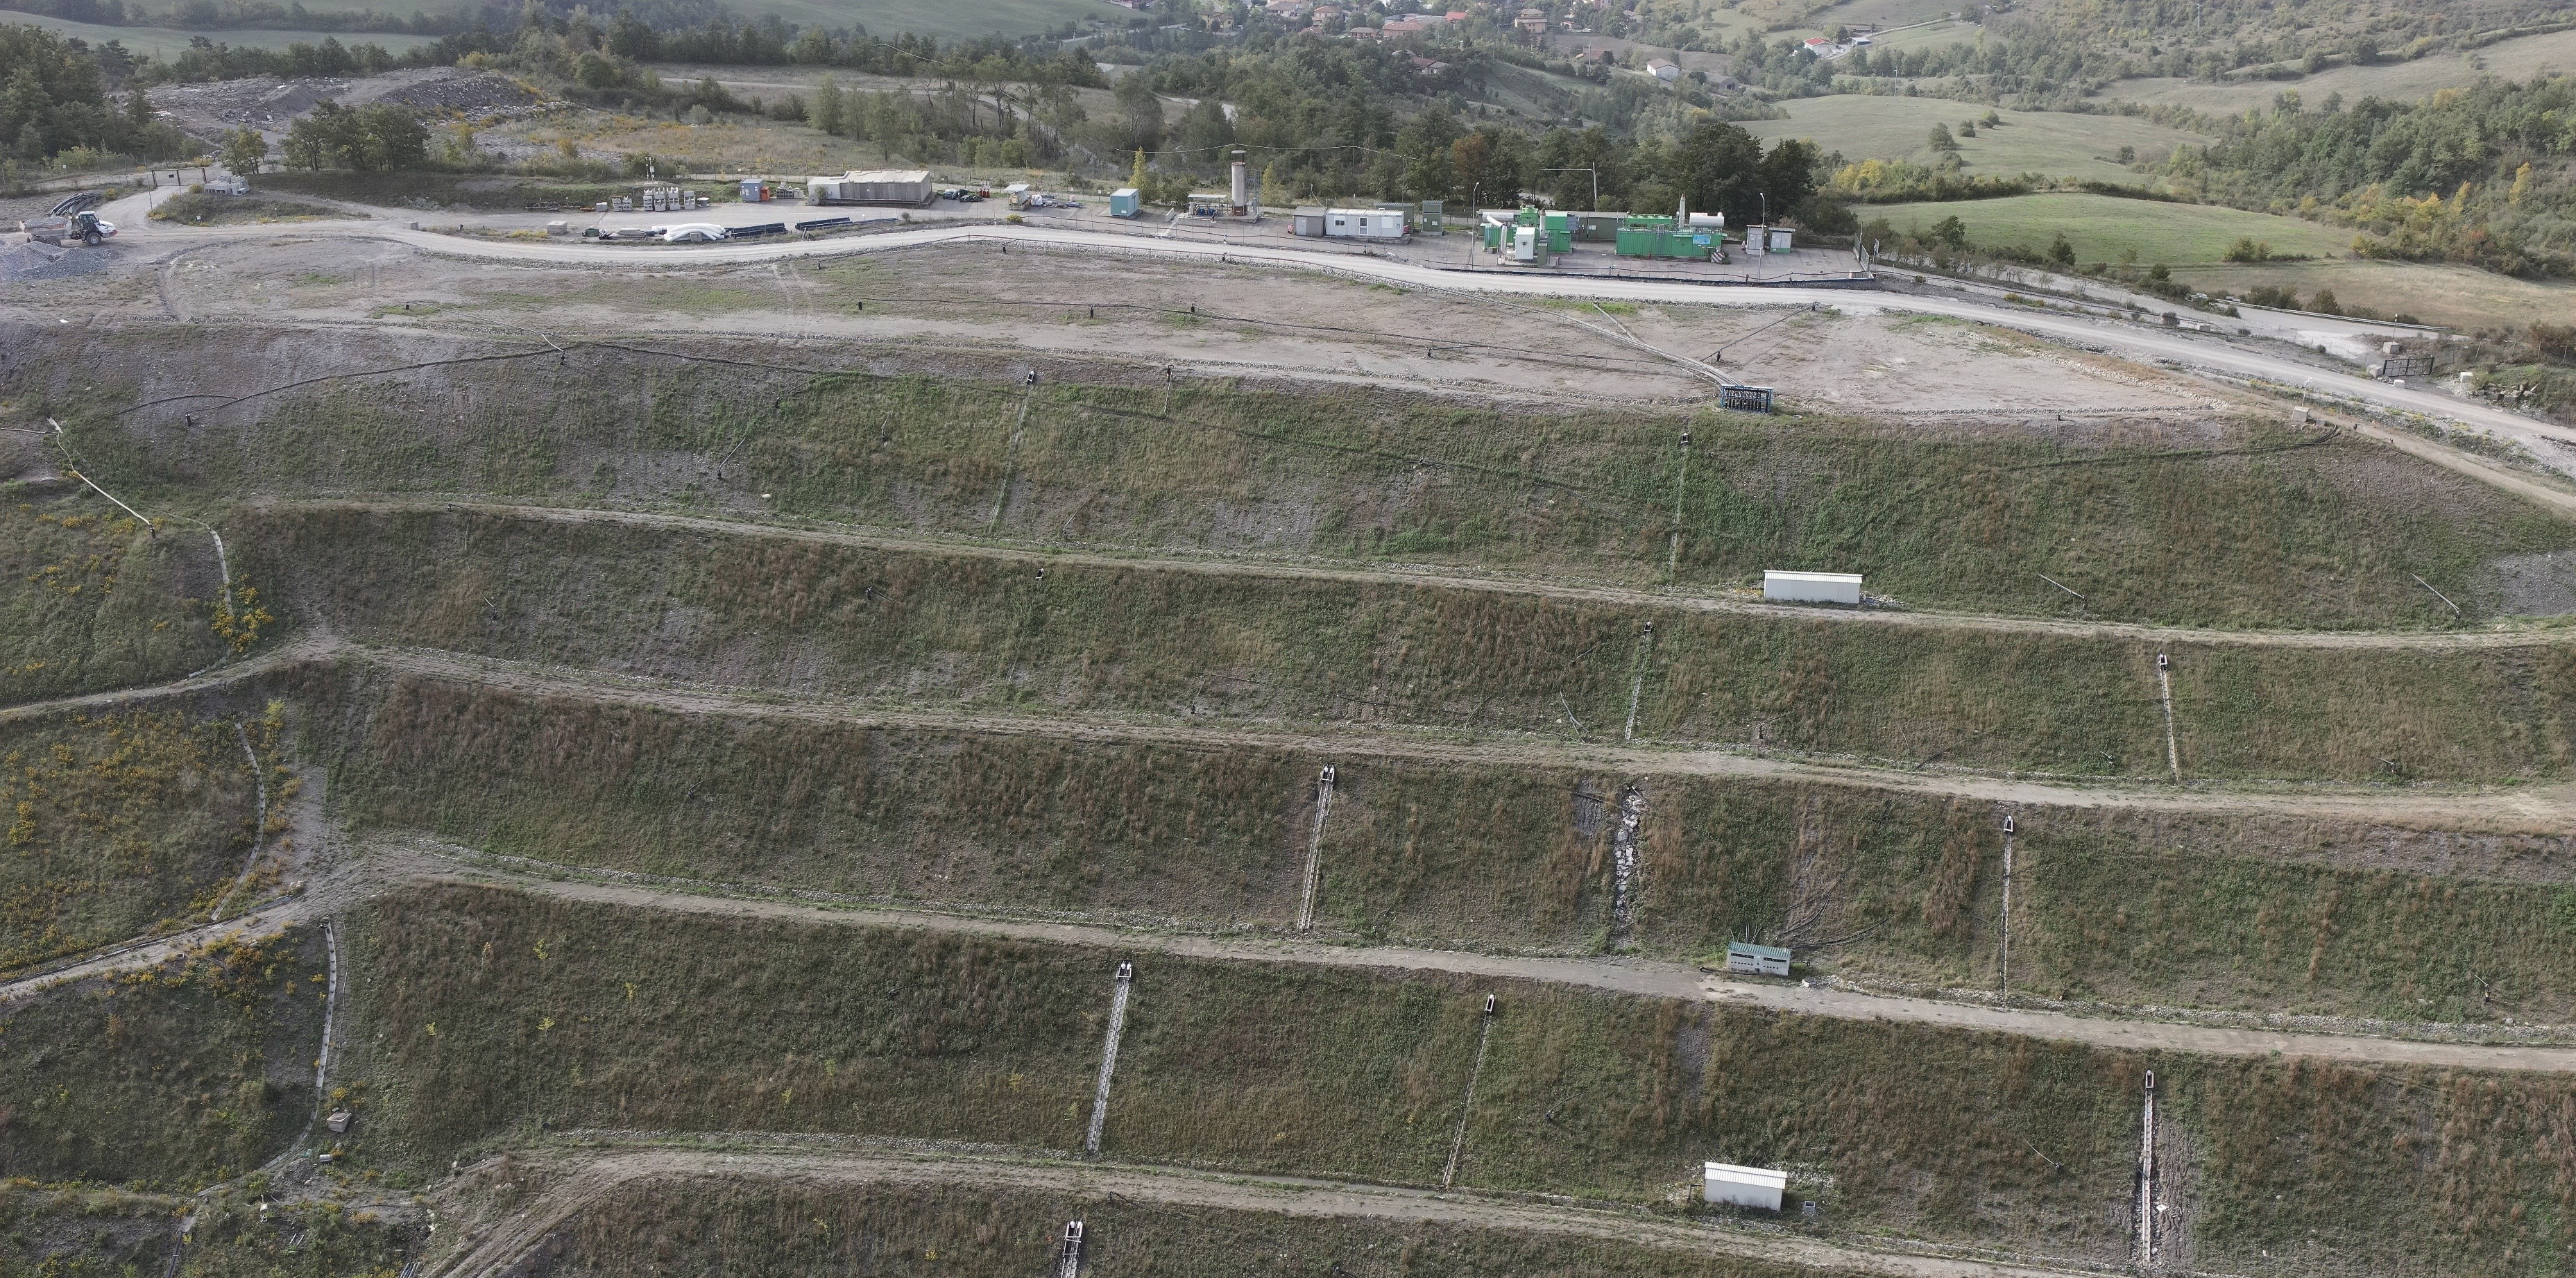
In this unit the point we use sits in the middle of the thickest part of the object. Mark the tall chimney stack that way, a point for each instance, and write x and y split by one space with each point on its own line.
1242 184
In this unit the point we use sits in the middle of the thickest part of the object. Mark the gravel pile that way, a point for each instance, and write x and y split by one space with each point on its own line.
271 105
33 263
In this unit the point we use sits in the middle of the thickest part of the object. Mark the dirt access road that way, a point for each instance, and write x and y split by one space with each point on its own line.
1619 975
2207 351
580 1177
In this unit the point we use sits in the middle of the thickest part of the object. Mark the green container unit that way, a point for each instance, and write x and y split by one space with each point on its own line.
1657 242
1560 231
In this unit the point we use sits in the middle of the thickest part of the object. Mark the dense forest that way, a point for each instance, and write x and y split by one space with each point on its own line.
2480 176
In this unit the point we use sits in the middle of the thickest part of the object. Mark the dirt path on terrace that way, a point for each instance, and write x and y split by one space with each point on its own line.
1618 975
2547 809
586 1178
1454 579
2529 810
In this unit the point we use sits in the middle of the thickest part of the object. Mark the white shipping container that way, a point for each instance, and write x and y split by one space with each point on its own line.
1755 1187
1812 587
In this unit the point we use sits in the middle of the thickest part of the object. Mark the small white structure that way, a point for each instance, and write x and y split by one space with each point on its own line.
1756 1187
870 186
1811 587
1363 224
1780 237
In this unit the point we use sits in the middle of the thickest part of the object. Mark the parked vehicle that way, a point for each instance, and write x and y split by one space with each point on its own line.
84 227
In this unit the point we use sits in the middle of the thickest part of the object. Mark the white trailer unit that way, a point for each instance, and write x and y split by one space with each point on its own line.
1363 224
1756 1187
1812 587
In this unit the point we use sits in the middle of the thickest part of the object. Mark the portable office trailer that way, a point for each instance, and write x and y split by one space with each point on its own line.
1307 220
1123 202
1812 587
1757 1187
1756 960
1363 224
871 186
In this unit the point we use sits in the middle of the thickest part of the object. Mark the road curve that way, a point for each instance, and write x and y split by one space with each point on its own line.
577 1177
1631 976
2197 350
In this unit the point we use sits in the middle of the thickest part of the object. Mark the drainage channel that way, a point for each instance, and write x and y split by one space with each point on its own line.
1109 1056
1324 785
1466 1107
1623 862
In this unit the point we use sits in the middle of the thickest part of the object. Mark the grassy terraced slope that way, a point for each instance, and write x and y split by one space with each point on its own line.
755 610
2233 523
498 1010
2272 914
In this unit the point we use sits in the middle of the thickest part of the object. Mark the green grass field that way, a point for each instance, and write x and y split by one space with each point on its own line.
481 1013
717 1226
2517 59
2103 227
121 825
2056 144
1505 856
2460 296
168 1077
755 611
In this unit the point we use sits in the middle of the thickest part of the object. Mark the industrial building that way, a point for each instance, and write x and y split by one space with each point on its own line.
1812 587
1757 1187
871 186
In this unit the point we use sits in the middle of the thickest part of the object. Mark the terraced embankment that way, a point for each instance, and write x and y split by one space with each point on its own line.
2232 521
89 599
170 1074
123 823
568 1015
1514 851
1085 669
751 609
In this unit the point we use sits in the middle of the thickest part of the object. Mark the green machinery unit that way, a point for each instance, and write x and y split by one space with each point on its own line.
1652 236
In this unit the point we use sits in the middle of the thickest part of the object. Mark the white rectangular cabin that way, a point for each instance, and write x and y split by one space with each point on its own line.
1363 224
1812 587
1756 1187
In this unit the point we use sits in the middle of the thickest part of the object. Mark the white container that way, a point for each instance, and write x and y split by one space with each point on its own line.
1812 587
1757 1187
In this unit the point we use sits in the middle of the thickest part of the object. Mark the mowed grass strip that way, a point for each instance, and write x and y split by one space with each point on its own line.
597 1016
2254 913
2234 525
796 1228
91 600
168 1077
762 611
